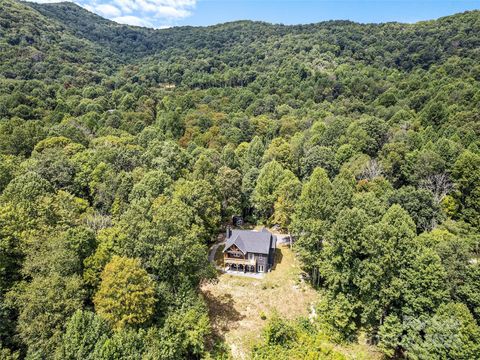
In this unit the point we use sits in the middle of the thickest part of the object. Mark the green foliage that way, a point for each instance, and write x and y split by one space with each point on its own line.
451 333
468 292
126 296
279 332
200 196
391 247
274 186
341 266
425 287
8 166
419 204
229 183
312 217
284 339
152 185
123 344
122 146
284 207
184 333
84 333
467 174
45 304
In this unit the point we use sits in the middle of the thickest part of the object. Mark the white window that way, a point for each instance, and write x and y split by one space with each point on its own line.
260 268
251 256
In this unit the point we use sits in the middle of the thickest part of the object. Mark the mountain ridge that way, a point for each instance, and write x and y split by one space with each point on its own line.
73 5
341 37
125 152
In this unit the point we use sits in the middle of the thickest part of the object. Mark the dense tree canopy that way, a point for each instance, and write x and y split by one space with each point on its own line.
124 151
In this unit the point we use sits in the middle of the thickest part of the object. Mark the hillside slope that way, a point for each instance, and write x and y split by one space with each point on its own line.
34 46
236 53
126 41
430 40
125 152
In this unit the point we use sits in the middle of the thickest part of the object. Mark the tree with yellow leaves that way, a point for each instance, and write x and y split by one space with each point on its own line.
126 295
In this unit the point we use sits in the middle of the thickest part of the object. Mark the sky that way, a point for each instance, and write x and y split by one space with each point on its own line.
167 13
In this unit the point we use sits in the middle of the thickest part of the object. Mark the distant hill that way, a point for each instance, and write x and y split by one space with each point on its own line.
404 46
35 46
122 39
125 152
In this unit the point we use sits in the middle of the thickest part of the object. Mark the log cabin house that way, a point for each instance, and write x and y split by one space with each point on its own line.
249 250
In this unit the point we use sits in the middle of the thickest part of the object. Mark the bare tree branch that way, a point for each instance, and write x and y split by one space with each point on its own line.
372 170
438 184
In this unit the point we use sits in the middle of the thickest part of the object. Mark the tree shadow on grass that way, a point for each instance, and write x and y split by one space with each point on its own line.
222 313
278 258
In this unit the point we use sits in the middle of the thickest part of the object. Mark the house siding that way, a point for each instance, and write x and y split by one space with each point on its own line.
261 259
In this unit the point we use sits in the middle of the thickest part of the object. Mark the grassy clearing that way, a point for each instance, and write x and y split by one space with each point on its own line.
239 306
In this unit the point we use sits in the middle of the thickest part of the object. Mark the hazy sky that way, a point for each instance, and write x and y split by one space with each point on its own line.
164 13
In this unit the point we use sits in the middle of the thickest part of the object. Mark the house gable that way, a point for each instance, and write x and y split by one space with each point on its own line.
247 250
234 248
249 241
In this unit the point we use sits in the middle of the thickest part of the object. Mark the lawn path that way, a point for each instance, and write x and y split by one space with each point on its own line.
213 251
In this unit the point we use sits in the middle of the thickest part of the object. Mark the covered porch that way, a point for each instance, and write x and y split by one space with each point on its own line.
239 264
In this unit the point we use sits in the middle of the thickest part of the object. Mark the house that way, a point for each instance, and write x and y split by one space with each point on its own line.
249 251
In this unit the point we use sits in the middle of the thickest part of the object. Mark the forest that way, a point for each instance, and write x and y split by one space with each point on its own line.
125 151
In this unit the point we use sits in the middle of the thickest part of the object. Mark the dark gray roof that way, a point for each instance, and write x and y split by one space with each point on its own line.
251 241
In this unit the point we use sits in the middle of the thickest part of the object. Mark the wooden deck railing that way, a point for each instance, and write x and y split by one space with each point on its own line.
239 261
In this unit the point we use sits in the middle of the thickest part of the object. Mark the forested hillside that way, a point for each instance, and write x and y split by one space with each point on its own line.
124 152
